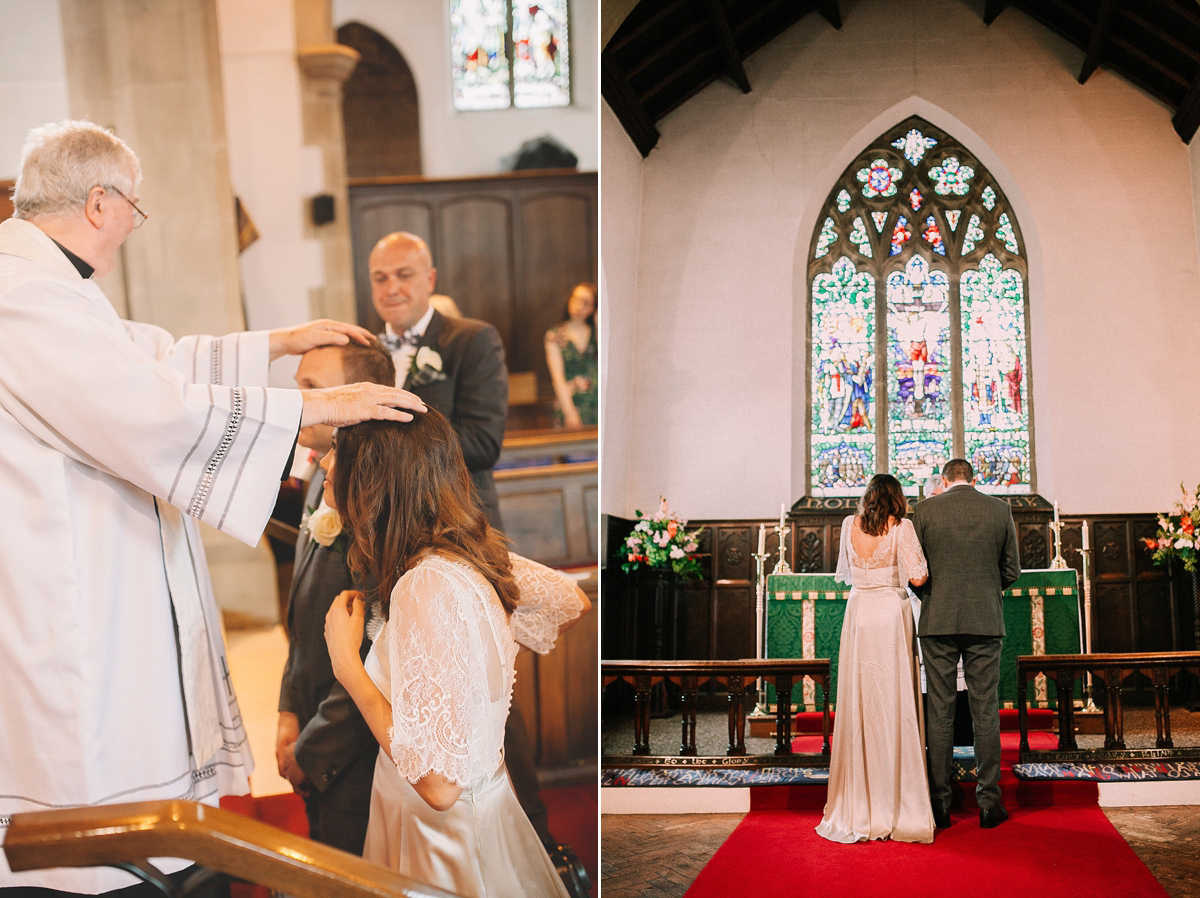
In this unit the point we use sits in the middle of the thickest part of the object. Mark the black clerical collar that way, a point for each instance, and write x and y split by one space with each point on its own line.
85 270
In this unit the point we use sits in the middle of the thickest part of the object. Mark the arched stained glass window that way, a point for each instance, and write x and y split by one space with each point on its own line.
918 305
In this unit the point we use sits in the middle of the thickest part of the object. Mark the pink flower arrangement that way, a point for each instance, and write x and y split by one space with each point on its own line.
1178 532
662 542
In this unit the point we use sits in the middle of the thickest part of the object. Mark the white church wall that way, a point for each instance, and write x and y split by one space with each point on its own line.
471 143
1098 177
33 75
620 229
272 171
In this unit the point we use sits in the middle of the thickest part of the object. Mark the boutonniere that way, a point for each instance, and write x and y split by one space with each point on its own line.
324 525
425 368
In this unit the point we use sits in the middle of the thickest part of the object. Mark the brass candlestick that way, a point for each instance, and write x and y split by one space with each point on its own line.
781 566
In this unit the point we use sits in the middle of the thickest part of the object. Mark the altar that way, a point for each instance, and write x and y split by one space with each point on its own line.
1041 616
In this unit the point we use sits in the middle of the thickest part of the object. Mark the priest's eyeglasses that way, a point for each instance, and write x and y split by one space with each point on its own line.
139 217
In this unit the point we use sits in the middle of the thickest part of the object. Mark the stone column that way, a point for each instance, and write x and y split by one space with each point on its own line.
324 67
151 72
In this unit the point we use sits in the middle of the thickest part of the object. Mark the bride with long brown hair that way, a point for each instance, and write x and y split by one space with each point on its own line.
436 685
877 783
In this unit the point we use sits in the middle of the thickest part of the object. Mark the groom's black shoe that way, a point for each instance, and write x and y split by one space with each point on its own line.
992 817
941 819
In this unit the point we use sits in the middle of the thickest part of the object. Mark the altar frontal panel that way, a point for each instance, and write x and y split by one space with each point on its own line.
1041 616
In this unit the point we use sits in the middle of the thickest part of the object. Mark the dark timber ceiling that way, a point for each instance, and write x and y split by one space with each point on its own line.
666 51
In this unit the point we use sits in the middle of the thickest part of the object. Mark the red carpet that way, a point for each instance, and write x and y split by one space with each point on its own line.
1062 851
575 819
1058 842
573 812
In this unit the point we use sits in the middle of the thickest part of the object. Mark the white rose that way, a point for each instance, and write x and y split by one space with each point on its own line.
324 525
428 358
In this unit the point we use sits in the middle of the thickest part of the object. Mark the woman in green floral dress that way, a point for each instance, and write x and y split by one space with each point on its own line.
572 359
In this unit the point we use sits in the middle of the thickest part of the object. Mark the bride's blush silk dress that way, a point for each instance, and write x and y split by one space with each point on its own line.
878 788
446 659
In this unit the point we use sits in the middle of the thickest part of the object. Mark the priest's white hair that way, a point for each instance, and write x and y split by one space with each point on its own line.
61 162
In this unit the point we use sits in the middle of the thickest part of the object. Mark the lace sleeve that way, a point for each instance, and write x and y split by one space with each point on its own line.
436 670
549 599
843 565
909 557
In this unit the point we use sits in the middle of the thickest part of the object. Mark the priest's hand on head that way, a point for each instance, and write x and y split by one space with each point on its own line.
343 406
322 332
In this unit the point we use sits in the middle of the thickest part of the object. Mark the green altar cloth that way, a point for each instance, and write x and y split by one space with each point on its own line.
1041 616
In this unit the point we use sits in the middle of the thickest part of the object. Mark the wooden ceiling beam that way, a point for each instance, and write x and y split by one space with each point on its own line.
831 13
1187 116
1100 30
727 45
616 89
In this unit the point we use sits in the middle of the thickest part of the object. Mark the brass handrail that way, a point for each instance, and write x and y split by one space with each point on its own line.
1112 668
129 834
738 676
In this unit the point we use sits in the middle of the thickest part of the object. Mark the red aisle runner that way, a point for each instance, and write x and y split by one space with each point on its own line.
1063 851
1058 842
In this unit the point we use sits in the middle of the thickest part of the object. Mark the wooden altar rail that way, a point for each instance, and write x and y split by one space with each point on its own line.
738 677
1112 669
127 835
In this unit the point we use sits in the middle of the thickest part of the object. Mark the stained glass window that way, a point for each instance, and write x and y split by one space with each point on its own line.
995 392
974 235
878 179
828 236
918 334
843 398
932 235
919 346
858 236
509 53
900 234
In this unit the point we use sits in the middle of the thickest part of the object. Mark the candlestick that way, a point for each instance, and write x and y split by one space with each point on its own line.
760 587
1087 543
781 566
1056 511
762 539
782 515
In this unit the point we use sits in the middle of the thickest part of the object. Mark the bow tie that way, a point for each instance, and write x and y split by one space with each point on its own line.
394 343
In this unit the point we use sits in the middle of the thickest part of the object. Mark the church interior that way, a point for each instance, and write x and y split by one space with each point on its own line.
803 203
279 139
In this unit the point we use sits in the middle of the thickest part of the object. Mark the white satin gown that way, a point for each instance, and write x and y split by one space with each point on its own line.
446 659
878 788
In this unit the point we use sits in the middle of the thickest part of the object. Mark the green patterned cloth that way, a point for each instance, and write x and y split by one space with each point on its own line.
1041 617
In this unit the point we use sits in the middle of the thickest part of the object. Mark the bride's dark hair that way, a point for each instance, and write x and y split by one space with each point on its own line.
883 500
402 490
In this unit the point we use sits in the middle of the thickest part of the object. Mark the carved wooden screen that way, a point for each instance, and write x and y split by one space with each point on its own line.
918 303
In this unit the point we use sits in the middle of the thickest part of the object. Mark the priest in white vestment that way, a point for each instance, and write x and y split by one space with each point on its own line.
117 438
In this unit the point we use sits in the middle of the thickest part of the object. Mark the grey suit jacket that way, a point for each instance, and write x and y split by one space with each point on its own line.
336 748
970 542
471 390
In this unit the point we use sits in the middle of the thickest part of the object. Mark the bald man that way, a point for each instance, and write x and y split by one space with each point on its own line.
454 365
